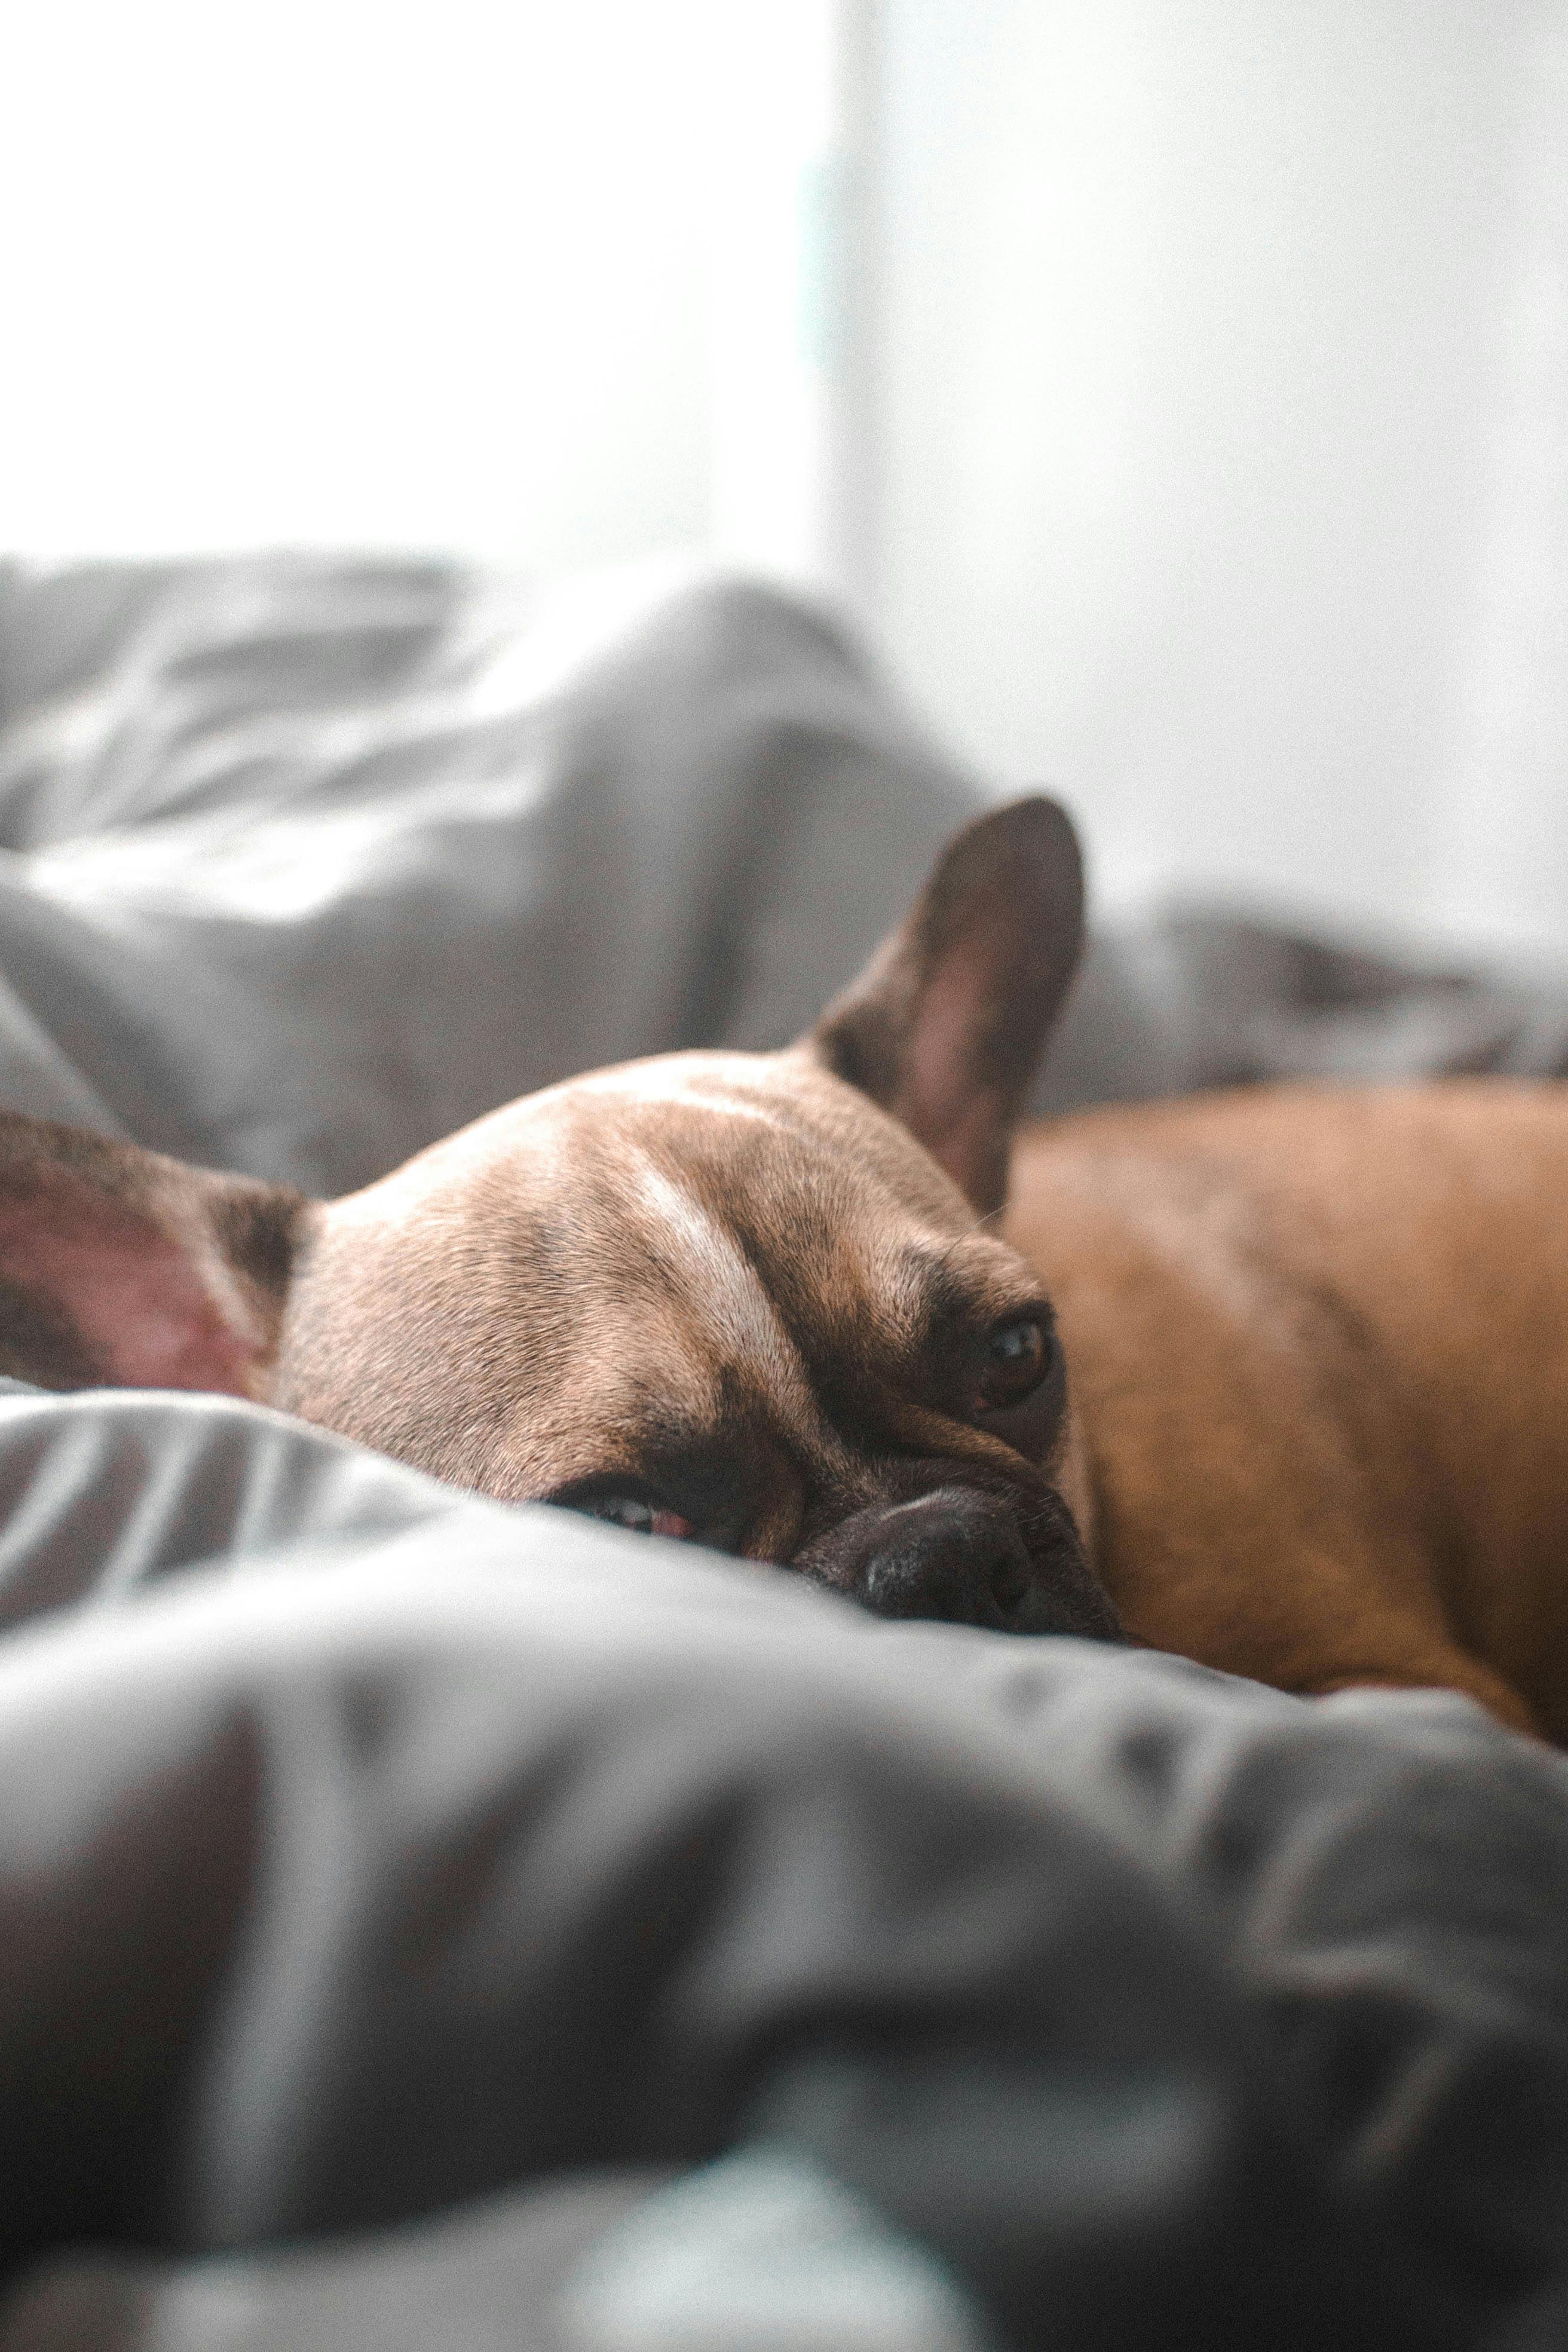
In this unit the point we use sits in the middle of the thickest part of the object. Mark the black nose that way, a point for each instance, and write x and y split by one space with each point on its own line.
947 1555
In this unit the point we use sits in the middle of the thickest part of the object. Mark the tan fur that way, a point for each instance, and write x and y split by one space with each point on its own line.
1316 1339
1315 1426
1319 1342
511 1308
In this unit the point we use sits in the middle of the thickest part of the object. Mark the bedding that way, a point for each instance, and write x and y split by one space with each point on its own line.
306 864
426 1920
305 861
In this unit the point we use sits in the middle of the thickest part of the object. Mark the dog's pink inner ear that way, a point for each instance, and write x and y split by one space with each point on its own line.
123 1269
943 1096
947 1023
109 1298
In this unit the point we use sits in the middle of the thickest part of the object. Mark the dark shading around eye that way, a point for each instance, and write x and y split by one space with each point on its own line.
626 1503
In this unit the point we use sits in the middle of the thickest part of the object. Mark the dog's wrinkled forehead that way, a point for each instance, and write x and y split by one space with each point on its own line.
766 1214
693 1243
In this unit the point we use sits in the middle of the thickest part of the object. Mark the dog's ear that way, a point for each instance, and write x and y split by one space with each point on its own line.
947 1023
121 1268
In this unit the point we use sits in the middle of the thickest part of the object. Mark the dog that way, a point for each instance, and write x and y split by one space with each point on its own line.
1276 1380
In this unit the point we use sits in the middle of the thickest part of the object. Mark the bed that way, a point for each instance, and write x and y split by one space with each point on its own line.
423 1920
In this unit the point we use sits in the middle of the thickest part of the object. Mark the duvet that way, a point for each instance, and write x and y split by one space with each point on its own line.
423 1921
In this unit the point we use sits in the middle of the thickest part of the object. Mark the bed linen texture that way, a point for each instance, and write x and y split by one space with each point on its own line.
306 860
470 1893
425 1921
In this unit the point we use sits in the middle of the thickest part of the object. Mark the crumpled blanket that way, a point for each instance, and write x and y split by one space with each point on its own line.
429 1920
308 863
305 861
425 1921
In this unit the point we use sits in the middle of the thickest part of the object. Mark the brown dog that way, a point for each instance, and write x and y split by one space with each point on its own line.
1318 1340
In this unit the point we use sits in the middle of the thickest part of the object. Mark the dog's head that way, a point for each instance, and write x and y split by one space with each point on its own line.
759 1301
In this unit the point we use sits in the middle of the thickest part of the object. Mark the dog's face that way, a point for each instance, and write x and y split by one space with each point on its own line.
720 1298
755 1301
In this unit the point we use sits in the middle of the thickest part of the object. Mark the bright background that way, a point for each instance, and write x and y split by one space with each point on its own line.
1177 391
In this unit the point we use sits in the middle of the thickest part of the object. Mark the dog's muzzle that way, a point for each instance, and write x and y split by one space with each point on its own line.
969 1558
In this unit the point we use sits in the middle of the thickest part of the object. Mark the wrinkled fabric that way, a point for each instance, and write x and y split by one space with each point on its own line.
305 861
1204 996
494 1849
308 863
422 1919
106 1491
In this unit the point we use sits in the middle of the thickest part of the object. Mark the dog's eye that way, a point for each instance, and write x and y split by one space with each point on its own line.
1019 1354
637 1512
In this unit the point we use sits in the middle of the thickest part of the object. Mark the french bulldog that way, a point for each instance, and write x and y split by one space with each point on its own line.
1276 1380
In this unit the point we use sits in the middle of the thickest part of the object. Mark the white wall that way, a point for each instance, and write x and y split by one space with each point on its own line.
1207 374
383 272
1204 453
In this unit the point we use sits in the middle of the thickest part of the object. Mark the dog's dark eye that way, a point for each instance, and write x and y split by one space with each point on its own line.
637 1512
1019 1354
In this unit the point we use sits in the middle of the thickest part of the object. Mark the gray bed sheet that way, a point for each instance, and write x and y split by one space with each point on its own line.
423 1921
466 1924
304 864
305 861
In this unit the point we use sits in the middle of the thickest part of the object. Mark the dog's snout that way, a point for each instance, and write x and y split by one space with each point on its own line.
947 1555
969 1553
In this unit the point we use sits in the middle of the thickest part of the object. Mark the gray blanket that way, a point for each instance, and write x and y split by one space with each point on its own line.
423 1921
304 863
450 1922
307 864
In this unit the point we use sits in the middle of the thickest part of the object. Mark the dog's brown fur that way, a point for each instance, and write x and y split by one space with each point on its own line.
1316 1338
1320 1339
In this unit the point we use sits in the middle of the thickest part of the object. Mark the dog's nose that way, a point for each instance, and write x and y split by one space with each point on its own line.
947 1555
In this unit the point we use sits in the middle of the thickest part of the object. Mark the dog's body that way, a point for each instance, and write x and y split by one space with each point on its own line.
1320 1340
1316 1342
